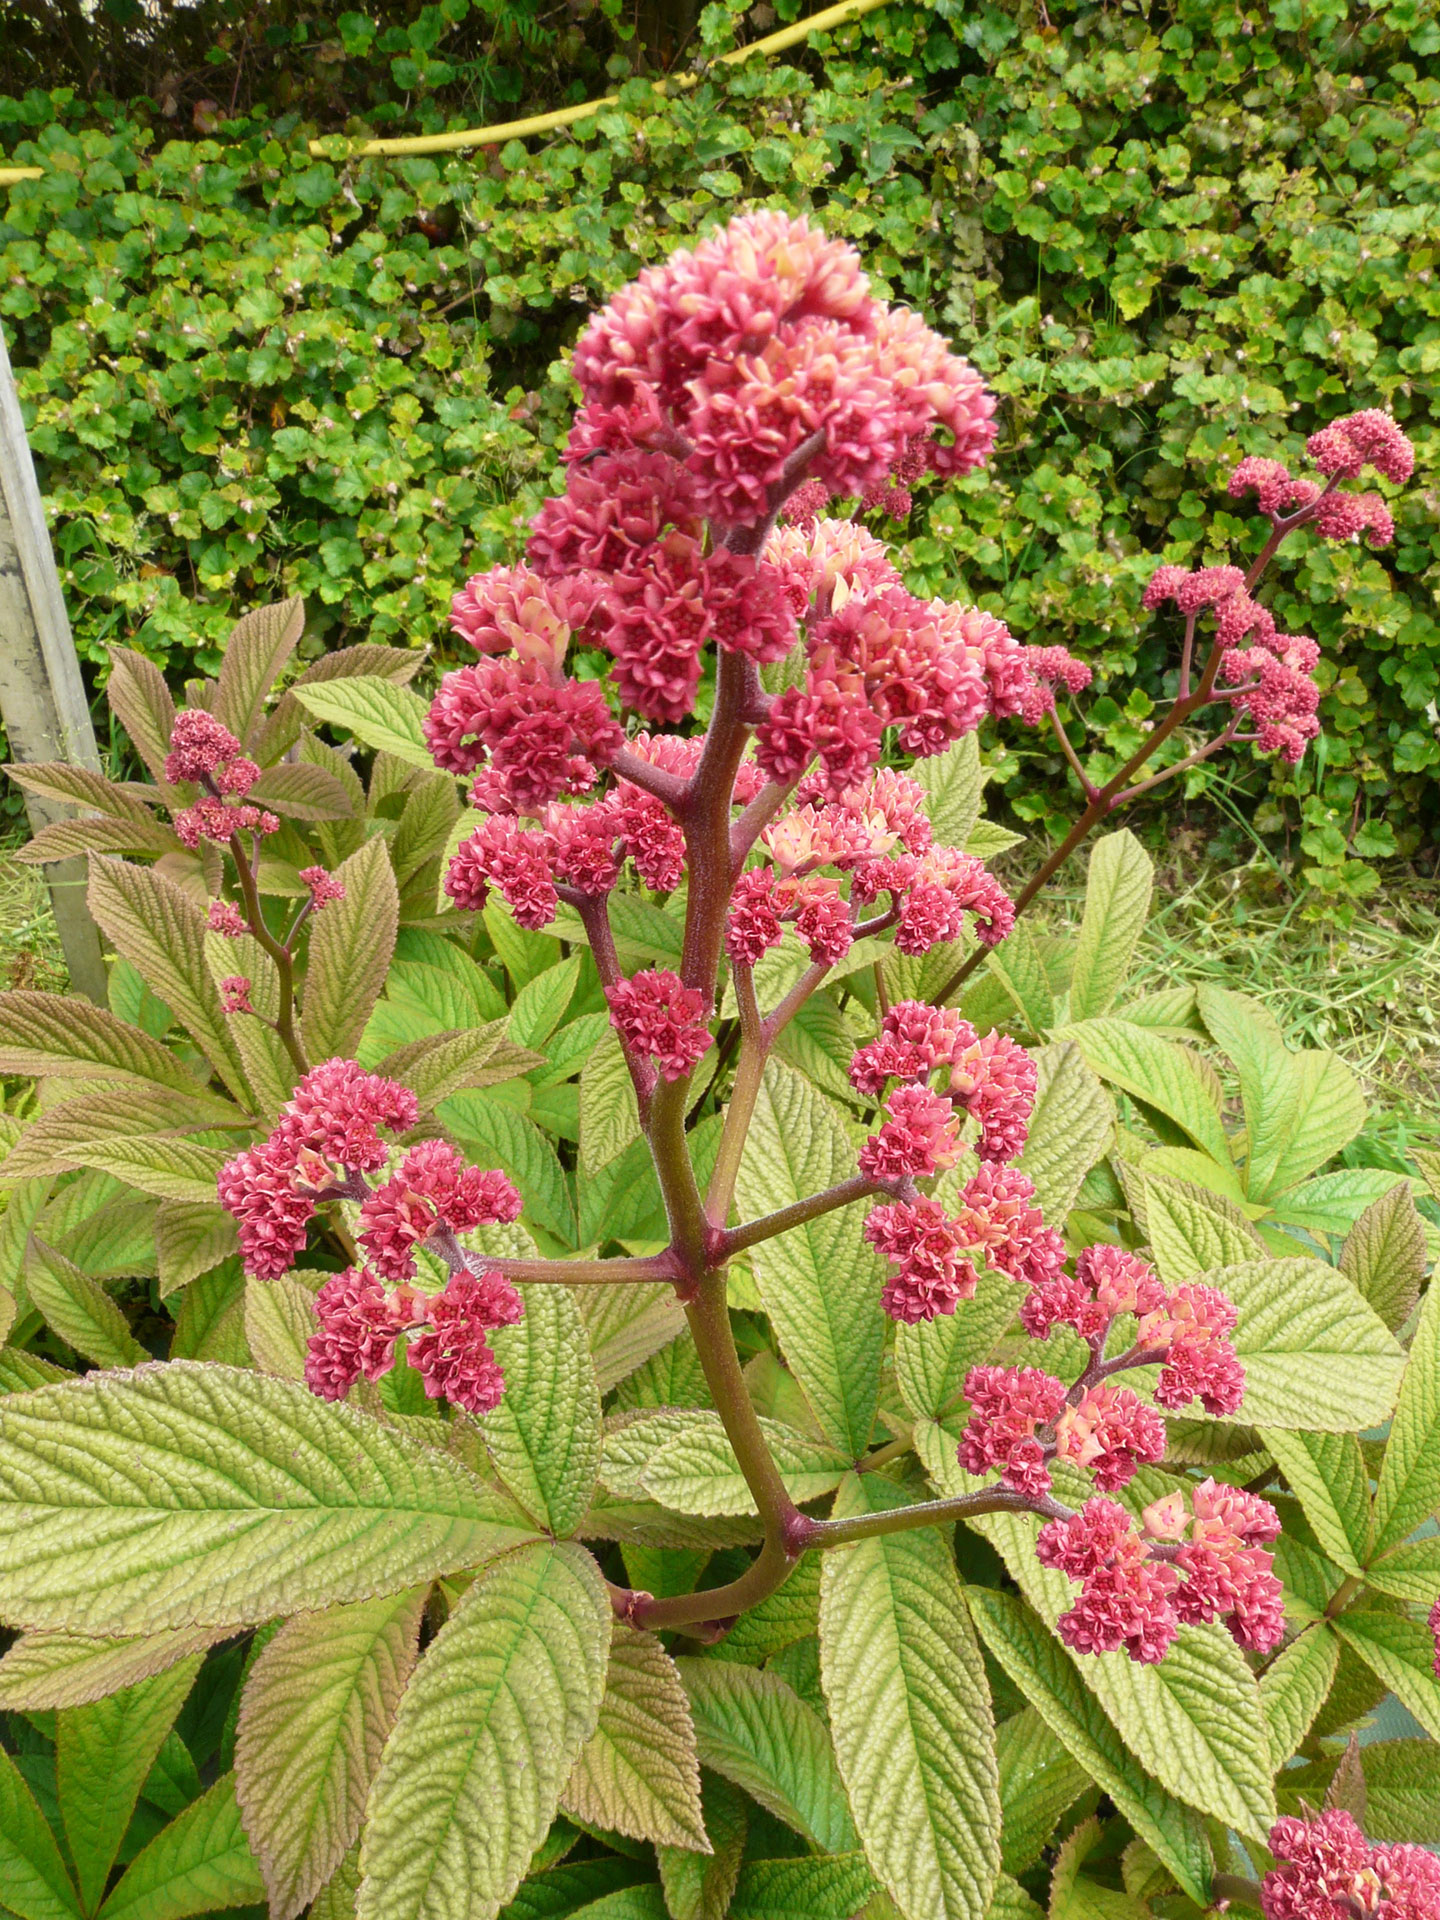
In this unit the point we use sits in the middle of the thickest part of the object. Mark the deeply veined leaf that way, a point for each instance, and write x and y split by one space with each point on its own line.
541 1002
1408 1490
910 1713
188 1495
351 943
1074 1895
79 1309
821 1282
609 1115
200 1863
103 1753
1071 1126
256 649
933 1357
1384 1254
280 1322
486 1737
1048 1677
1328 1475
1192 1231
1402 1791
1017 964
336 1899
1330 1112
799 1889
440 1064
544 1437
1117 904
1294 1686
698 1886
302 792
61 1036
953 782
160 930
317 1707
494 1134
1316 1357
1269 1077
789 1614
378 712
92 1125
48 1670
1162 1073
694 1468
79 787
142 704
1010 1901
1193 1720
1039 1779
33 1881
638 1773
628 1326
1410 1572
758 1732
1402 1653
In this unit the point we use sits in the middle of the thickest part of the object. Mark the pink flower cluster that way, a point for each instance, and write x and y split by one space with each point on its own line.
1329 1871
660 1019
1022 1418
1184 1565
1186 1328
990 1078
207 754
360 1324
432 1192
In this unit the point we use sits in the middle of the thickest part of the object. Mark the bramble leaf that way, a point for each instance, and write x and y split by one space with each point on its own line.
486 1736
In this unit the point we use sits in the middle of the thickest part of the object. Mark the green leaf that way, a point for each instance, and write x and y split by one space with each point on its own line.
487 1734
317 1706
161 931
351 943
336 1899
609 1114
832 1889
1017 964
1328 1475
1294 1686
1316 1357
1331 1111
1409 1572
910 1712
1162 1073
1073 1895
199 1863
953 781
631 1325
376 711
103 1753
1049 1678
1117 905
933 1357
638 1774
33 1882
79 1309
544 1437
255 651
496 1135
758 1732
1269 1078
186 1495
1401 1653
821 1282
820 1043
304 792
789 1614
1192 1231
1071 1126
1012 1902
62 1036
541 1002
280 1322
693 1469
578 1887
1384 1254
1039 1779
1402 1791
698 1886
47 1670
442 1064
1408 1490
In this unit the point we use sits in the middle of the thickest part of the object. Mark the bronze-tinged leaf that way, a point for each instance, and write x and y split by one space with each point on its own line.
443 1063
260 643
141 703
64 839
191 1237
79 787
301 792
350 948
63 1136
60 1036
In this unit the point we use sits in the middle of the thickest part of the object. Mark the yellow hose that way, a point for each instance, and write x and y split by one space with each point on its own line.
567 116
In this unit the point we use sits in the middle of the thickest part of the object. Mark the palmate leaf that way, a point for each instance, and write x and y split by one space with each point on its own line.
1117 905
910 1713
280 1322
351 944
1402 1791
630 1325
683 1459
609 1114
1048 1677
486 1737
103 1753
186 1495
108 1120
191 1237
1408 1491
638 1774
1330 1112
820 1283
1192 1231
317 1707
1018 965
443 1063
300 791
49 1670
200 1863
79 787
544 1437
63 839
953 782
760 1734
1269 1077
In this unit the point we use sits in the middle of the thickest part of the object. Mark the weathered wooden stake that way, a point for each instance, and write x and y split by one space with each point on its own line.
42 699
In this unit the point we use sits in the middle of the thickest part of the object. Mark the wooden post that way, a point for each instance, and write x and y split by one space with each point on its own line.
42 699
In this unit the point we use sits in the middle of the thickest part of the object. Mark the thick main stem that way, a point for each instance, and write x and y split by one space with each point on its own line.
278 952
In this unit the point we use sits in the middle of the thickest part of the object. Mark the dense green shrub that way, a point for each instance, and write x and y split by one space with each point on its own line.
249 369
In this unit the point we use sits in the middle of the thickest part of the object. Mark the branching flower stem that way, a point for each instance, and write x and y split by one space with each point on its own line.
278 950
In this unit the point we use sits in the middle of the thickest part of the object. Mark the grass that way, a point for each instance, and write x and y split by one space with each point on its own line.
30 953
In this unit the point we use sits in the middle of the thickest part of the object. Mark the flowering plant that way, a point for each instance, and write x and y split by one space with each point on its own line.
730 955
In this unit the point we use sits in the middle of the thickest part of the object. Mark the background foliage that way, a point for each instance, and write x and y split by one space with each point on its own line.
1168 236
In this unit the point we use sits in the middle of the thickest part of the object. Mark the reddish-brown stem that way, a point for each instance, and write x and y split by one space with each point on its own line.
278 952
667 787
1087 785
859 1187
753 821
594 912
573 1273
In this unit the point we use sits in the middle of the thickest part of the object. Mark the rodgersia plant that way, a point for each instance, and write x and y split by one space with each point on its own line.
813 1242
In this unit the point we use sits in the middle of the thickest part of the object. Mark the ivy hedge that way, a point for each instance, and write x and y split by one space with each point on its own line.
1168 235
